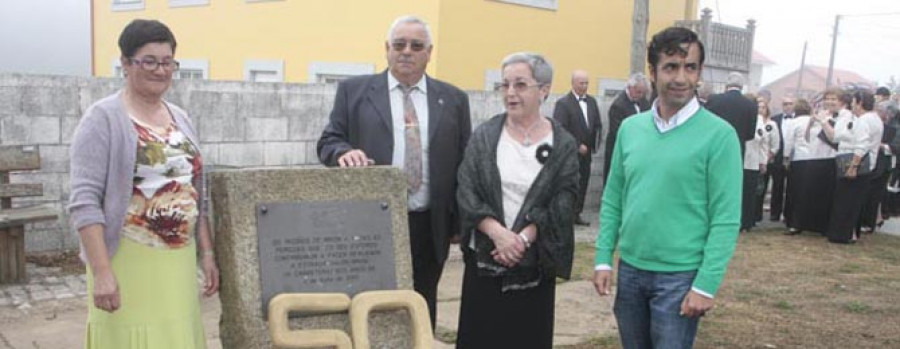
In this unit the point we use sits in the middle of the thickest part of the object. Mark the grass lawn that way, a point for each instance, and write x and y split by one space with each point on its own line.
797 292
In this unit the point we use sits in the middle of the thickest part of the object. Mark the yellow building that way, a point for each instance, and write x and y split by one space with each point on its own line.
323 41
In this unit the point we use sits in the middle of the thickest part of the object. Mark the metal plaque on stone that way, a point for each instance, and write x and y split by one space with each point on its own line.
325 246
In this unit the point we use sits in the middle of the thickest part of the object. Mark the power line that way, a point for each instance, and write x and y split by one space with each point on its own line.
873 14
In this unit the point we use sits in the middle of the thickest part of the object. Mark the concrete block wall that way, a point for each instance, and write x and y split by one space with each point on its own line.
240 124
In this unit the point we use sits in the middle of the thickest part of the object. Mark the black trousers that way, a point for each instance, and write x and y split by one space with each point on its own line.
779 176
875 194
849 198
748 199
584 172
607 161
426 268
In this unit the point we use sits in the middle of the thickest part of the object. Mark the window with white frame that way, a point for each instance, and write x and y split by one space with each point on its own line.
189 74
541 4
610 88
127 5
331 78
334 72
188 3
492 79
196 69
264 70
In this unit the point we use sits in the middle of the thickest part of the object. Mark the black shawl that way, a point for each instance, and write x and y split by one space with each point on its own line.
548 204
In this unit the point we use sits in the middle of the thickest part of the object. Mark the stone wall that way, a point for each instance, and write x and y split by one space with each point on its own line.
240 124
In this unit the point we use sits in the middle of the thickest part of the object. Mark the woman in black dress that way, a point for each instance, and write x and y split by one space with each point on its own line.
517 186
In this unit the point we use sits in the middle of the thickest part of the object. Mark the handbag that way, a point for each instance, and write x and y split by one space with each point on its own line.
843 162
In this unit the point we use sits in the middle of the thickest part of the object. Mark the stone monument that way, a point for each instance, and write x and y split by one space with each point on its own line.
309 230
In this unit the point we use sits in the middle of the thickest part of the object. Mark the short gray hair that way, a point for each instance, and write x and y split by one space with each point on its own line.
637 79
410 19
735 79
541 69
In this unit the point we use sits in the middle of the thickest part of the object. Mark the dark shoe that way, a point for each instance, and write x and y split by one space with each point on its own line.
580 221
774 219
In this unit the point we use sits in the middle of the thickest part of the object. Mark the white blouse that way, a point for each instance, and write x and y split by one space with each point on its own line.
765 141
518 166
859 135
796 146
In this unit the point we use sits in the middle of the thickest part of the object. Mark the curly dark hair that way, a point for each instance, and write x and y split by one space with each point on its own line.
669 41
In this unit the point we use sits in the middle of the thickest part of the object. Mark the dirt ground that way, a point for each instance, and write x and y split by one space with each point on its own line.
801 292
780 292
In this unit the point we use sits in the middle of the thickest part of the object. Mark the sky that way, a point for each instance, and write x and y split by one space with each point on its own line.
45 36
868 37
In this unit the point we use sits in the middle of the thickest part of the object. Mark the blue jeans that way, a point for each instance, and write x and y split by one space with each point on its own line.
647 309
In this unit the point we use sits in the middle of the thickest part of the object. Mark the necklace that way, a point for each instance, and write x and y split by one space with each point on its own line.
526 134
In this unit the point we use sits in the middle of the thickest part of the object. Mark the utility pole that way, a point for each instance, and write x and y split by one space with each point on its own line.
639 21
837 20
802 67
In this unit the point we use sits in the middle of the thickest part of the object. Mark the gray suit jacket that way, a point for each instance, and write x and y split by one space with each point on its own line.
361 119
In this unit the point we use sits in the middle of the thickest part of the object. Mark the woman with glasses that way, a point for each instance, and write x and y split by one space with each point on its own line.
517 186
136 201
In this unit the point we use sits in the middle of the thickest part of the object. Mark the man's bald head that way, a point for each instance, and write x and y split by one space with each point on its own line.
580 82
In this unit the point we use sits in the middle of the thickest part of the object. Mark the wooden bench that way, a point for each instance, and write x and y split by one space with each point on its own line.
13 220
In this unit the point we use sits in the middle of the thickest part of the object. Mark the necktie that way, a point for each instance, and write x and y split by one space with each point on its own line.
413 154
582 99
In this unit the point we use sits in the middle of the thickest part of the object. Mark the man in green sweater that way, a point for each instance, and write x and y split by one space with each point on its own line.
672 204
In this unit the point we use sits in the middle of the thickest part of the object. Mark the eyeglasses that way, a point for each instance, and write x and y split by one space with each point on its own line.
518 86
152 64
414 45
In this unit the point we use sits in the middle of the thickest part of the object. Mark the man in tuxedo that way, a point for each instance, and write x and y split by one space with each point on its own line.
776 168
579 114
738 110
406 119
627 103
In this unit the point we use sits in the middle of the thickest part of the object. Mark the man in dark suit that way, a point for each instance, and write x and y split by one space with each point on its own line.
629 102
393 118
738 110
578 113
776 168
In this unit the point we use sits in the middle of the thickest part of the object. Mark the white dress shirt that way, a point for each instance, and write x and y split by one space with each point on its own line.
417 201
852 135
875 127
797 147
765 141
583 104
676 120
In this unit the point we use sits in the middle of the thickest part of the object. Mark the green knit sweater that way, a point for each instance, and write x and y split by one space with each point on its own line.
673 200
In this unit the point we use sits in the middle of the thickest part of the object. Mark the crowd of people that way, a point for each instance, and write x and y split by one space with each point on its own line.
830 162
508 193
